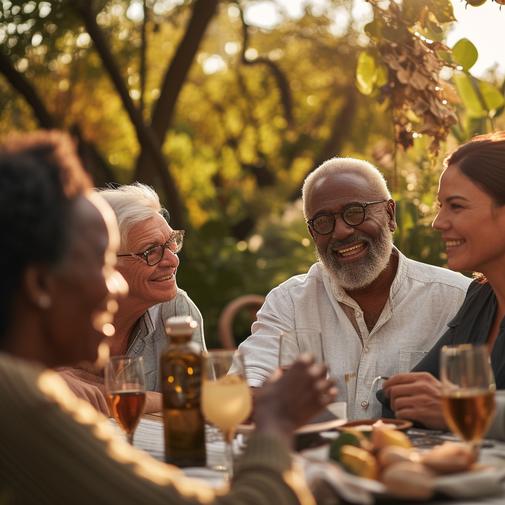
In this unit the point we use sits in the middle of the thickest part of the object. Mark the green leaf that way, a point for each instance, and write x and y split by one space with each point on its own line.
442 10
374 29
365 72
492 96
392 33
475 126
466 90
381 76
465 53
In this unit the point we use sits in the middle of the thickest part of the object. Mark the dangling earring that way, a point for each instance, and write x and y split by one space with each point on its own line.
44 302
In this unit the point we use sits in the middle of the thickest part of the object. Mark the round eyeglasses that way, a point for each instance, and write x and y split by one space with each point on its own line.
155 254
353 216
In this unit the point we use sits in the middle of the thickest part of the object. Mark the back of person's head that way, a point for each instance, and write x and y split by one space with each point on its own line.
41 175
482 159
361 168
132 204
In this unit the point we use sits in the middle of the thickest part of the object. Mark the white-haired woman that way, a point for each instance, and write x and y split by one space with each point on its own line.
148 261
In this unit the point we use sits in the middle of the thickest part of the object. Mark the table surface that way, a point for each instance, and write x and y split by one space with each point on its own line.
150 438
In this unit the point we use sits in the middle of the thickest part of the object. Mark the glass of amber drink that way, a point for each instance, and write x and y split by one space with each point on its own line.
126 394
468 391
226 400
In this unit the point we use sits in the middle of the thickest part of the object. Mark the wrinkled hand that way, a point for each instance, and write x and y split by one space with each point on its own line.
288 401
417 397
86 386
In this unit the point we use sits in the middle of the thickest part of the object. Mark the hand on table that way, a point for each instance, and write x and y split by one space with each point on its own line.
417 397
288 401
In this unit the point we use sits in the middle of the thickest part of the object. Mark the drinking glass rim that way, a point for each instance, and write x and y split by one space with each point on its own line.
221 352
455 349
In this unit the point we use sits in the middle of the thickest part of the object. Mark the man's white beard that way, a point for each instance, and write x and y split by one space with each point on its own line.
363 272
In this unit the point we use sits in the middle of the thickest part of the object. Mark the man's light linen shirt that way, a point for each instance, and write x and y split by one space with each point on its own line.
422 300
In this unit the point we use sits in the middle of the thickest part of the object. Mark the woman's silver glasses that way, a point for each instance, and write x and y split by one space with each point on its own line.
353 216
155 254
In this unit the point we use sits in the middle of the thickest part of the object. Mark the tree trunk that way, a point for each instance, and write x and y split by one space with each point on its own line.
175 77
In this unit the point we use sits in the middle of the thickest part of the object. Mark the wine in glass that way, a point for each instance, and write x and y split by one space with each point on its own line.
226 399
468 391
126 394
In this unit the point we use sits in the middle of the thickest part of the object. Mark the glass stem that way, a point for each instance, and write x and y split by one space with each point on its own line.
229 435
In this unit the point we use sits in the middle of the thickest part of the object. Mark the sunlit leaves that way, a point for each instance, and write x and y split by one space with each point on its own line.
479 97
465 53
369 76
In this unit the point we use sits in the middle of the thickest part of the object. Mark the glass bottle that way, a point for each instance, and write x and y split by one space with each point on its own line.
181 372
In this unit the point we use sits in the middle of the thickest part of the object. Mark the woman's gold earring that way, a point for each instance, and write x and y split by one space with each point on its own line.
44 302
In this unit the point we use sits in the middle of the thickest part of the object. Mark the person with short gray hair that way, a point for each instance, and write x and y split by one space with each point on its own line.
378 312
147 259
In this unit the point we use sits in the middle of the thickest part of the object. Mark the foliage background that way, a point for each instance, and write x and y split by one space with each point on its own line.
256 110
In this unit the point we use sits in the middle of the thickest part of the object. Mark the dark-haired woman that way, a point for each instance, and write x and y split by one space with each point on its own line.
472 222
59 244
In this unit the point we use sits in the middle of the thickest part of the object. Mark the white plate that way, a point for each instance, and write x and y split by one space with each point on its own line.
485 482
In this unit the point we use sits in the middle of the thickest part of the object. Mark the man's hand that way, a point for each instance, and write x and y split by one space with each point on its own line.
288 401
417 397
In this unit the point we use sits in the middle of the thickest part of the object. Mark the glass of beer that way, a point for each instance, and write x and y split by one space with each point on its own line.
226 399
468 391
126 394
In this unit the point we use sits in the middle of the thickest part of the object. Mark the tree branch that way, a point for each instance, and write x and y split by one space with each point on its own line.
143 54
203 12
281 79
19 83
145 135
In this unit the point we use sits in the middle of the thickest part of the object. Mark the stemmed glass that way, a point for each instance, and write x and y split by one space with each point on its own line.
293 343
226 399
468 391
126 394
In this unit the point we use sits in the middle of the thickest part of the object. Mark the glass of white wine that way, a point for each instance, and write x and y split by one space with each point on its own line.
126 394
226 399
468 391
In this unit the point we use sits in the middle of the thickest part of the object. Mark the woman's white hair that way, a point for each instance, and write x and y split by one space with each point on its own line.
347 165
132 204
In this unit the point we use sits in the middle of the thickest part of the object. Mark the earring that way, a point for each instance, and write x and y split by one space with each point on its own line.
44 302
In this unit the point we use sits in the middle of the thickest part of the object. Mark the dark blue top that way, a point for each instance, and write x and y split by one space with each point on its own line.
471 325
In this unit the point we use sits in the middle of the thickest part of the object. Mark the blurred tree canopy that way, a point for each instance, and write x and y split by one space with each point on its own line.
225 120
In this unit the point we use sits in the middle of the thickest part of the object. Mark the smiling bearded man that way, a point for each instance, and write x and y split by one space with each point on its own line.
378 312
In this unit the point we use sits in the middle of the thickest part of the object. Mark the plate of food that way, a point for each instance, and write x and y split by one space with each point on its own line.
367 425
384 463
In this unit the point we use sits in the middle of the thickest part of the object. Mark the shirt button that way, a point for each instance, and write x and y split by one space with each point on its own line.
364 404
367 350
358 314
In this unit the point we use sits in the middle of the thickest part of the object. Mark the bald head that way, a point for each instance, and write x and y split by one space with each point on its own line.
362 171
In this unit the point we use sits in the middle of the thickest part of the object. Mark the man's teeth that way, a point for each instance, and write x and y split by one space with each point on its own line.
350 250
166 278
454 243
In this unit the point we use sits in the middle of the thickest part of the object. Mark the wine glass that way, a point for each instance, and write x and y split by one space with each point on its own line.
226 399
295 342
468 391
126 394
